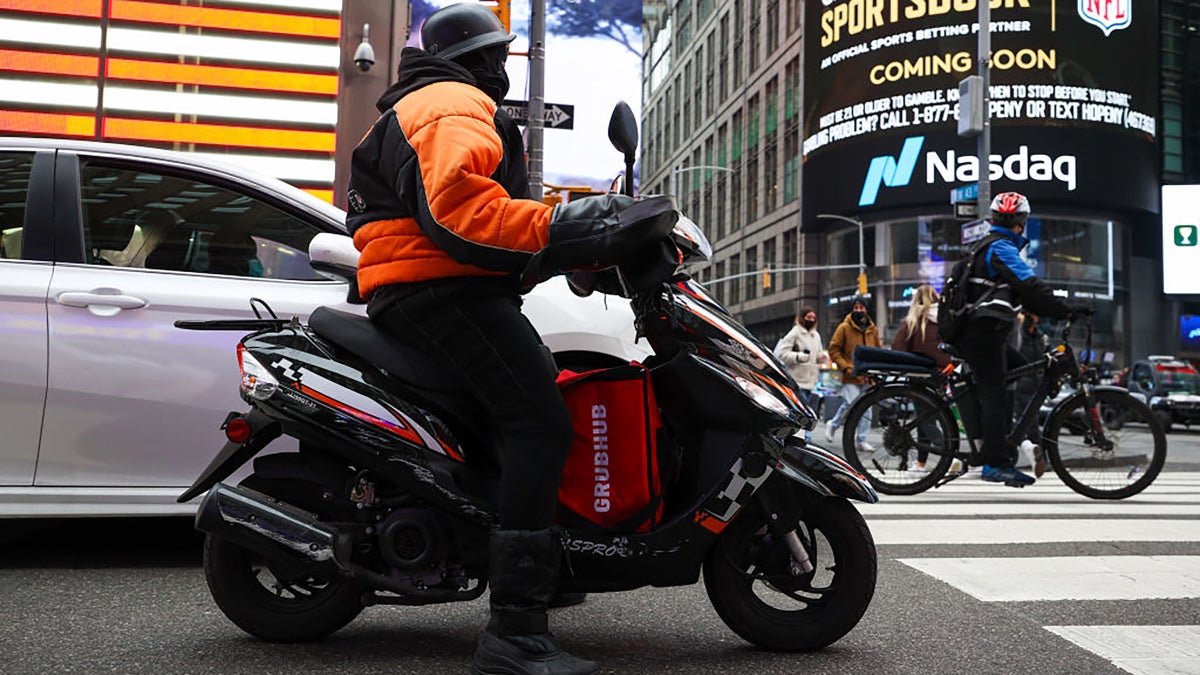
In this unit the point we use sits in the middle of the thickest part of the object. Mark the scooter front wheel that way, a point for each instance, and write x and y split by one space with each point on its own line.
757 590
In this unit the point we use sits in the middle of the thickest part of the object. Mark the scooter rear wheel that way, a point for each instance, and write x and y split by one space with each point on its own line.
750 583
277 602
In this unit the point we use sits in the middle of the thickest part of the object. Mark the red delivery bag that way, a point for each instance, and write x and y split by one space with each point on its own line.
612 480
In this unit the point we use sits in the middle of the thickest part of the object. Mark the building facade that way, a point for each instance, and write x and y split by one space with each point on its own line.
804 119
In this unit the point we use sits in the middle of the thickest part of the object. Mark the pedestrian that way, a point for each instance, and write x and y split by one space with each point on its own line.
1000 283
440 209
801 351
918 334
856 329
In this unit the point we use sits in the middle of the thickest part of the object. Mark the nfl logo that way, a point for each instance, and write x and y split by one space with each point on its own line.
1109 15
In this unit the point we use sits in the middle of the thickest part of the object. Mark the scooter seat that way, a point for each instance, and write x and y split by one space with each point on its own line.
401 361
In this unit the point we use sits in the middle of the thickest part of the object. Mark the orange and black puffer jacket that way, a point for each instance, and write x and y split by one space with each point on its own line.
438 186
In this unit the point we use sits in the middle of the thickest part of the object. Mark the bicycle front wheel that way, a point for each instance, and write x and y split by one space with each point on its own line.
901 437
1120 460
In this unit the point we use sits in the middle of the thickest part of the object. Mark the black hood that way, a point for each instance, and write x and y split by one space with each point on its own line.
418 68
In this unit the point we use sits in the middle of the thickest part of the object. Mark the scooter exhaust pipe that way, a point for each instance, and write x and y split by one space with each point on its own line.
270 527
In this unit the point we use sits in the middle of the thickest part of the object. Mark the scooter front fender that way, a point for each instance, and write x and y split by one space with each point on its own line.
823 472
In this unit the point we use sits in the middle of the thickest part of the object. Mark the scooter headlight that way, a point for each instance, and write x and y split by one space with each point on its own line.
257 382
761 397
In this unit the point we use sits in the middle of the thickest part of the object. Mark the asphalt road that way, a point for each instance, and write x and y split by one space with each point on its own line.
128 596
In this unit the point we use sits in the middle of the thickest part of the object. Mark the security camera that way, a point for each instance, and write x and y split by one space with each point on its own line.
364 56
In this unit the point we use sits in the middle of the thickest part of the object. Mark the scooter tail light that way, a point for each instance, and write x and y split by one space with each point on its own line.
257 382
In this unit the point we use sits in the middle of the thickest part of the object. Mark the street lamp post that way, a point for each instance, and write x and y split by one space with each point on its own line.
700 167
862 264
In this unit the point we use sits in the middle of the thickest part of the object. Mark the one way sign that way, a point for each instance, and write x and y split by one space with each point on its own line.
557 115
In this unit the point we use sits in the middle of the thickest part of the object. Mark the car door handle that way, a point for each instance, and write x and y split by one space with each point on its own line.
108 297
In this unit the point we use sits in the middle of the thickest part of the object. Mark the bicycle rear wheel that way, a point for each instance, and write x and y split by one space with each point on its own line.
1123 463
901 426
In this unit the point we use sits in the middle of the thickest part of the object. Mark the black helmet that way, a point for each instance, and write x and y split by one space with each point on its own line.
466 27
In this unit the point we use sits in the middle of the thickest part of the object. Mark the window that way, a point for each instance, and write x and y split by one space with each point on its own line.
752 267
1143 377
769 263
723 74
772 26
139 219
735 284
791 252
14 185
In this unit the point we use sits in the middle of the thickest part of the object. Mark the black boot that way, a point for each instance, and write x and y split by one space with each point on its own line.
567 600
523 572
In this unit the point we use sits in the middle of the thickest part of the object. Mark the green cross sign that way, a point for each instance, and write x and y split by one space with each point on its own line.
1185 235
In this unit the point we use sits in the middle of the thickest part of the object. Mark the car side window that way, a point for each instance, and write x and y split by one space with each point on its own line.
143 219
1143 377
14 188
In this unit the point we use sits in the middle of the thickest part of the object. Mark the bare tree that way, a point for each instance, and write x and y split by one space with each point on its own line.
619 20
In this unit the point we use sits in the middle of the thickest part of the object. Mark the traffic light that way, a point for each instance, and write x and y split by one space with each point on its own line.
862 284
766 279
500 7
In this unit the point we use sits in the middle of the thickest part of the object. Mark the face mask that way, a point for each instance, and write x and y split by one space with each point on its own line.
859 317
495 85
808 324
487 67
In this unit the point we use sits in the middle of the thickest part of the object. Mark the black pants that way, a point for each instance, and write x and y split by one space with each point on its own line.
476 326
984 346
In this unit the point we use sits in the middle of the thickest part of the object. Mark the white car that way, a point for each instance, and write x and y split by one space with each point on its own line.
105 407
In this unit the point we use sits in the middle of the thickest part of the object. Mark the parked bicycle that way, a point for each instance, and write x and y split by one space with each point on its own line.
1101 441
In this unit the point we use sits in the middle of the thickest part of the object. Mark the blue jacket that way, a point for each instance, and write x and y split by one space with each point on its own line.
1014 283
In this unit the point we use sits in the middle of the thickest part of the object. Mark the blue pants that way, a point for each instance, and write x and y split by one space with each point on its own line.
850 393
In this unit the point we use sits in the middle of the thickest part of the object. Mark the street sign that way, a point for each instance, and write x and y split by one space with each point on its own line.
557 115
973 232
966 211
964 193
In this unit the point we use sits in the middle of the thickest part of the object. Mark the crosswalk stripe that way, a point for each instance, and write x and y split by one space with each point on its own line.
1142 650
1030 531
1085 507
1067 577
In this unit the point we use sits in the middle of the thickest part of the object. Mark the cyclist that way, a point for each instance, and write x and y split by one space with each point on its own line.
1000 283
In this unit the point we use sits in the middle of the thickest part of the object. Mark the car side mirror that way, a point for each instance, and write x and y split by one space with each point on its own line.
334 257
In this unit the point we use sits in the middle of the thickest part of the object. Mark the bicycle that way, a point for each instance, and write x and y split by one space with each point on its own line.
1101 441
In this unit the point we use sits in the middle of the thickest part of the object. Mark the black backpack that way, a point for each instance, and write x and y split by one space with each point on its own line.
954 308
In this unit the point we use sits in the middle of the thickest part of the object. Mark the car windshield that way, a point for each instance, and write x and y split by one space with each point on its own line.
1181 381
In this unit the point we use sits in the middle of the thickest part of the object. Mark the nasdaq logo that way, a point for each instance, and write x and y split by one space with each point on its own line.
891 171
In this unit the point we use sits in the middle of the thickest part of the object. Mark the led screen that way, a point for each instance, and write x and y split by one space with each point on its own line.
1181 238
1074 103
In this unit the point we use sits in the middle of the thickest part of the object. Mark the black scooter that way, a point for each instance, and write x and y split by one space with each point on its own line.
391 496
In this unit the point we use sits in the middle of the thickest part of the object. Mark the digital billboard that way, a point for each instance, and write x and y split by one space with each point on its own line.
1181 239
252 82
1074 110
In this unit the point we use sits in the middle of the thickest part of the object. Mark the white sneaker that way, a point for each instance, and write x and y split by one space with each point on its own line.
865 447
1037 459
829 429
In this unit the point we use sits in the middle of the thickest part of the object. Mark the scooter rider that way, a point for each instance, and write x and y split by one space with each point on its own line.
439 209
1000 283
